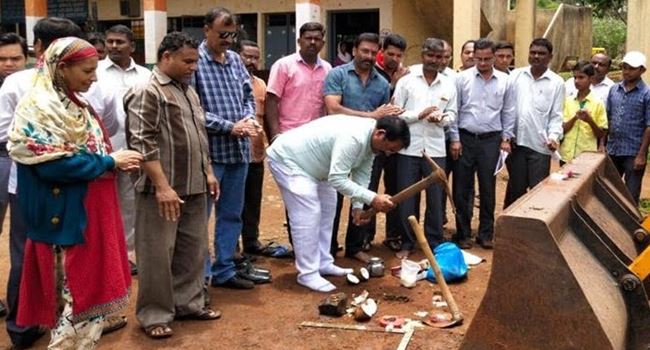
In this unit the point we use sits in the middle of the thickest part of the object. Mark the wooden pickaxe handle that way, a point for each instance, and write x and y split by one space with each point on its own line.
437 176
457 316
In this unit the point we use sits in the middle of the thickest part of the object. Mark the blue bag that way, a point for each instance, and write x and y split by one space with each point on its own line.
451 262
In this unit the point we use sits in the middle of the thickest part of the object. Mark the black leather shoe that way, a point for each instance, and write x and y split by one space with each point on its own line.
235 282
3 309
464 243
254 277
247 267
485 244
134 268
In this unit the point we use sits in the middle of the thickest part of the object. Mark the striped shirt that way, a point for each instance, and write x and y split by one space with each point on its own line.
628 113
165 122
227 97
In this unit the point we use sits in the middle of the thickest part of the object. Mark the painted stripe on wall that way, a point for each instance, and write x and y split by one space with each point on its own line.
36 8
155 5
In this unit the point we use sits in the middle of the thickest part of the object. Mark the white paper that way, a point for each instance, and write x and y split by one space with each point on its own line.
471 259
501 162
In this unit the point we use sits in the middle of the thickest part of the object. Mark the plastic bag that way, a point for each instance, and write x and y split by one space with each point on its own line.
451 262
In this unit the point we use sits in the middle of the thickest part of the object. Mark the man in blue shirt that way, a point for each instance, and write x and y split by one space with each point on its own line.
485 124
357 89
628 114
224 86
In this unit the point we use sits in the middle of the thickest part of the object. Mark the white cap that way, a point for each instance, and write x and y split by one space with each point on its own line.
635 59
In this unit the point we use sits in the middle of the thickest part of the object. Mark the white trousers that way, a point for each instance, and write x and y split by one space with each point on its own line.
311 206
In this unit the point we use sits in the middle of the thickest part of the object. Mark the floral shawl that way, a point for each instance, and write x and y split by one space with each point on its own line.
51 122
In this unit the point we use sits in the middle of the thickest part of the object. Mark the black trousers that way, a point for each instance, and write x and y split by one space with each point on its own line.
479 157
20 336
413 169
633 178
356 236
526 168
252 205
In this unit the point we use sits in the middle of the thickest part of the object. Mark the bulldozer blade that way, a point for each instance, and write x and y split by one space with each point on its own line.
560 277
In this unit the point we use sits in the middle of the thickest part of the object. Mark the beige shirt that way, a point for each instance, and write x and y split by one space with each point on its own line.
257 142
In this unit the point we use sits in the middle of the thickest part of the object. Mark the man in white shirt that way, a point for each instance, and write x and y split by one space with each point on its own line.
118 73
600 82
429 101
310 164
539 96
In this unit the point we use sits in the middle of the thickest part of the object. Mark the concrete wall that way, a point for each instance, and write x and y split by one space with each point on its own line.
638 35
494 15
570 32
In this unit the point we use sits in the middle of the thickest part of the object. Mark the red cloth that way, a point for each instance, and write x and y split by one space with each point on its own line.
97 271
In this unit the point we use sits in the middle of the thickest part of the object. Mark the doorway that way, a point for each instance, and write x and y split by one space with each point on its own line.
344 27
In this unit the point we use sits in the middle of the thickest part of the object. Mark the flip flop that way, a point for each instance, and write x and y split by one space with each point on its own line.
280 251
158 331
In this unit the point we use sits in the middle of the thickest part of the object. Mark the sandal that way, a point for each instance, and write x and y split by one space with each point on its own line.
205 314
113 323
393 244
158 331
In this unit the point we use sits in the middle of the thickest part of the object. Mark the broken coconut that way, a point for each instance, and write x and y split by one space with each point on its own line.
364 274
333 305
352 279
365 311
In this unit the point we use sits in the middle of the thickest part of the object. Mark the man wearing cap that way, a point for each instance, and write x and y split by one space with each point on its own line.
628 114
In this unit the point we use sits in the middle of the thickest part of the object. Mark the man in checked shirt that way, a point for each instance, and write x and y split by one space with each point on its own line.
226 93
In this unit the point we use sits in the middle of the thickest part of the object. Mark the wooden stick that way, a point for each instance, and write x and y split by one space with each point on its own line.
350 327
457 317
406 338
437 176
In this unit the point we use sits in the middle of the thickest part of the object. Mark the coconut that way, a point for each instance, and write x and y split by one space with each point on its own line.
352 279
364 274
365 311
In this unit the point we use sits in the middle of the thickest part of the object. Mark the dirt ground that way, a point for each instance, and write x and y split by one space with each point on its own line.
268 316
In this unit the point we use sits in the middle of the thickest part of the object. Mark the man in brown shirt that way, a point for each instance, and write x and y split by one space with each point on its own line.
165 122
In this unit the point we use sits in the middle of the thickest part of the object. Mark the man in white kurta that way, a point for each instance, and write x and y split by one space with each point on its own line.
310 163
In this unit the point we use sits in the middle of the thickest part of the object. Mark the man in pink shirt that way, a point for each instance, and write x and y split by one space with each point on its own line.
294 95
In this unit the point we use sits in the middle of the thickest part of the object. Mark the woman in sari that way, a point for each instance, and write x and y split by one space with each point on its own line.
75 269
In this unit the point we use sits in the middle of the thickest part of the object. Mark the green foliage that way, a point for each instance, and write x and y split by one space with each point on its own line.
610 33
604 8
548 4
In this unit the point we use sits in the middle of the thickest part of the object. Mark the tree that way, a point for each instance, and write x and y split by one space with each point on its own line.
604 8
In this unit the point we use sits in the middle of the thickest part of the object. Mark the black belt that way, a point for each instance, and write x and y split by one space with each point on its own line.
483 136
3 150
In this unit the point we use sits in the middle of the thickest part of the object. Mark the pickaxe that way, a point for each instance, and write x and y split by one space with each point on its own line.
437 176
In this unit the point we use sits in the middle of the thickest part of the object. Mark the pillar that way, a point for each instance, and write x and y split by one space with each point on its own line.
638 37
524 30
467 25
155 28
34 11
306 11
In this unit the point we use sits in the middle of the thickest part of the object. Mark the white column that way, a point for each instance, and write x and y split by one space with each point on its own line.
467 25
306 11
155 28
34 11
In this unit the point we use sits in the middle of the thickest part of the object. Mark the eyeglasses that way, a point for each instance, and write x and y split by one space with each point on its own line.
225 35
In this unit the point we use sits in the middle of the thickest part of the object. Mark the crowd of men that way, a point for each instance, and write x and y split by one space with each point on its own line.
202 119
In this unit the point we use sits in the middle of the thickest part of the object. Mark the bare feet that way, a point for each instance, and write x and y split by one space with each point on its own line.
362 256
403 254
